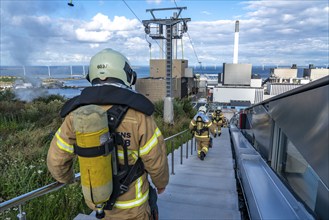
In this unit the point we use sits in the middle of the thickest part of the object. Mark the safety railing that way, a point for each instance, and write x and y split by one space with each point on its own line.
22 199
172 148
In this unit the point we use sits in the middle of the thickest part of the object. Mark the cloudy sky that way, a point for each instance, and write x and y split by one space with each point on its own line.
272 32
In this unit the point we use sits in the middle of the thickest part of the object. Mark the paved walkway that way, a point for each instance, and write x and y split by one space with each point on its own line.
202 189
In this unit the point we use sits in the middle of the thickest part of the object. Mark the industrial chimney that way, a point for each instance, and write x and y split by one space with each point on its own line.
236 42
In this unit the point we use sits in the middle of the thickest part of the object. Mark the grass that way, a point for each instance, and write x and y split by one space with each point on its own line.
26 129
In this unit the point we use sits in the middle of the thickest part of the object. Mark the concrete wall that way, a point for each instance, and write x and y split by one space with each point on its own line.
315 74
285 73
226 94
158 68
155 88
256 83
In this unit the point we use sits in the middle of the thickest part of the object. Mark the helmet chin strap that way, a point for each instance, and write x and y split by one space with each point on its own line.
123 86
108 80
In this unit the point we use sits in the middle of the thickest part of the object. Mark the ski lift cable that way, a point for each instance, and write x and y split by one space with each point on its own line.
196 56
142 23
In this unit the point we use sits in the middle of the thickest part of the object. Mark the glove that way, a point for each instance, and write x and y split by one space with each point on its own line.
161 190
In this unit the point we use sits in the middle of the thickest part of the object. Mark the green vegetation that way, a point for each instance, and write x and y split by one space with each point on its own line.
9 79
26 130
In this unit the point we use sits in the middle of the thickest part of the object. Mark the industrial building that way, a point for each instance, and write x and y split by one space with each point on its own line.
237 84
154 87
314 73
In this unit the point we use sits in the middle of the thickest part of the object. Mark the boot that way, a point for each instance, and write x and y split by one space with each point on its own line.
202 155
215 135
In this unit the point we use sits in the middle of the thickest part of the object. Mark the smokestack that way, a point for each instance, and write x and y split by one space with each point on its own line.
236 42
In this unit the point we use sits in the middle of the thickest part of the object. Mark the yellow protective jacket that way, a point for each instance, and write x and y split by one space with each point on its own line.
145 141
208 125
217 119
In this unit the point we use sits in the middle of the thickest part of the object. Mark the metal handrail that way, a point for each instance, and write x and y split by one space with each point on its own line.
175 135
20 200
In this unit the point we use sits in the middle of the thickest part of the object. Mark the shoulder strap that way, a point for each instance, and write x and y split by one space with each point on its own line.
125 174
115 116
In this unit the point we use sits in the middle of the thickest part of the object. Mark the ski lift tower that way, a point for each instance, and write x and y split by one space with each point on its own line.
158 25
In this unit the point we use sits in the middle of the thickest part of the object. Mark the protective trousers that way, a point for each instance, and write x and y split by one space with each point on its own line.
153 197
203 145
218 125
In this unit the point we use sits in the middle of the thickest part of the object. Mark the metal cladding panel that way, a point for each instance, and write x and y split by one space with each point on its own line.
267 196
226 94
304 118
259 95
276 89
263 185
262 128
237 74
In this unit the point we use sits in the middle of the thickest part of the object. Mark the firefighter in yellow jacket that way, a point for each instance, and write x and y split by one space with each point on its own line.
201 126
218 120
111 78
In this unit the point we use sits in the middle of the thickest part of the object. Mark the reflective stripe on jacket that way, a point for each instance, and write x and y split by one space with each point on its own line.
205 134
214 115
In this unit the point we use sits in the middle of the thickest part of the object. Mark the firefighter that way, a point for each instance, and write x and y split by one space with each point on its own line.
201 126
112 77
217 119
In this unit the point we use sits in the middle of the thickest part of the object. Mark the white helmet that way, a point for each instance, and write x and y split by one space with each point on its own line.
219 108
109 63
203 109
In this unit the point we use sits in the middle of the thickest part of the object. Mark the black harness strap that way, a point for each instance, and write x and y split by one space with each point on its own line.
115 116
135 171
102 150
122 181
126 173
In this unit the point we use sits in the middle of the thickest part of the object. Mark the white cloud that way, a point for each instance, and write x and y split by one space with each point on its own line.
206 12
16 20
275 31
270 31
102 28
135 43
99 22
154 1
326 9
122 23
103 22
287 31
288 17
92 36
94 45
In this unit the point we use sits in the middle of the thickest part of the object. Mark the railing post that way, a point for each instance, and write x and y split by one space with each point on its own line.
187 149
192 146
172 158
21 215
181 150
